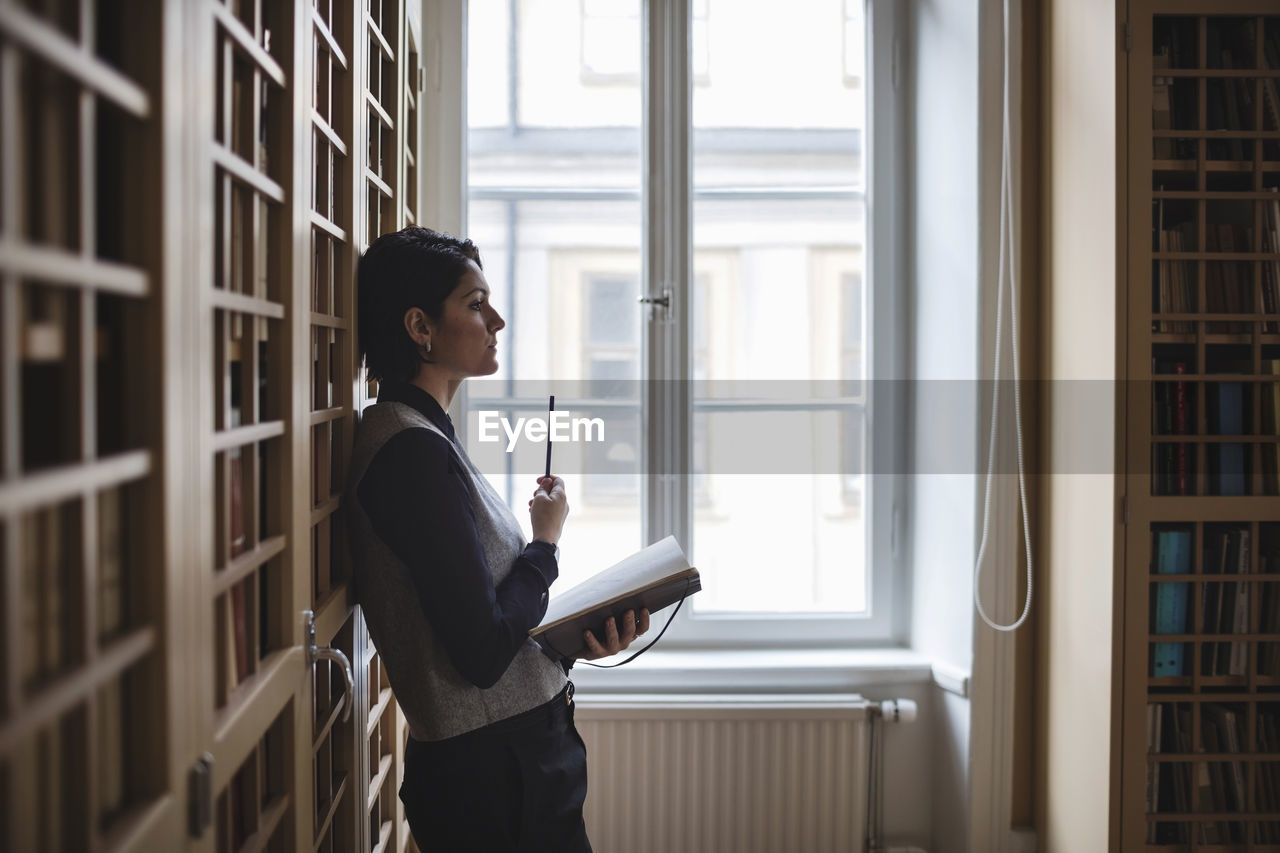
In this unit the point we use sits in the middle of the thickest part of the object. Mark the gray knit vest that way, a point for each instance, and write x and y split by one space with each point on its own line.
437 701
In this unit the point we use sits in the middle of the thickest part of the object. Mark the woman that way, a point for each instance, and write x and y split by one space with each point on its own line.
448 585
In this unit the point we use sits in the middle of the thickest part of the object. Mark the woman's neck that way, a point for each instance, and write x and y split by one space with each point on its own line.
441 388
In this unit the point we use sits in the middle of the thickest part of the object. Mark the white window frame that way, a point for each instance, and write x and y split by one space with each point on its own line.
699 45
667 507
668 407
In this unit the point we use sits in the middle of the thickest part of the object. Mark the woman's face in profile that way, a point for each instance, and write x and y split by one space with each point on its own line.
465 340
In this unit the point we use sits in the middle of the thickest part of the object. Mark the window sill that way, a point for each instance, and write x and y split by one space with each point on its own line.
768 671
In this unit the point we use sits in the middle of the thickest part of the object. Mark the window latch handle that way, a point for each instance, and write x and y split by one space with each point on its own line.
664 300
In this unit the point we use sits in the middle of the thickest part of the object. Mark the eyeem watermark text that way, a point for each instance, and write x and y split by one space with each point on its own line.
563 427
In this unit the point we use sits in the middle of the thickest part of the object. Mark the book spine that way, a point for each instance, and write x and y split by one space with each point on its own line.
1171 606
1240 620
1180 427
1231 473
240 632
1231 725
1153 767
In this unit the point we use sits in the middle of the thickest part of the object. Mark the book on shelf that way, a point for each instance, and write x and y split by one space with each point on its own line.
112 738
1226 409
1169 783
1180 426
235 504
653 578
1270 85
1203 788
1161 106
240 630
1172 416
1230 99
1217 781
1175 280
111 592
1155 718
1225 723
236 626
44 641
1269 608
1172 557
1226 606
1269 734
1178 741
1271 268
1228 284
1215 562
1264 794
1182 93
1268 613
1238 653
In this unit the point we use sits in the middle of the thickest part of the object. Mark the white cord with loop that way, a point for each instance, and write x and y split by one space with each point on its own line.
1006 247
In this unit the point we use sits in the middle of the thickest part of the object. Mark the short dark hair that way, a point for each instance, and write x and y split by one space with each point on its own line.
412 268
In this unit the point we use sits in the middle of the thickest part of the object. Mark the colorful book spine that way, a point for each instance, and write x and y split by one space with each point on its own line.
1173 557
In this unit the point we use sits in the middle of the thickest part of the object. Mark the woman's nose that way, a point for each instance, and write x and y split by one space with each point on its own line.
497 323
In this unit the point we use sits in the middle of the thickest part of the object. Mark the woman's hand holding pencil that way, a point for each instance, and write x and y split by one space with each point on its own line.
548 509
549 506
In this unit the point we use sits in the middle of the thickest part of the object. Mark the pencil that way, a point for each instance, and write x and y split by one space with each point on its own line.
551 407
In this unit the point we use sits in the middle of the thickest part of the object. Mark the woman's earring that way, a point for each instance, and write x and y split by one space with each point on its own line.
428 347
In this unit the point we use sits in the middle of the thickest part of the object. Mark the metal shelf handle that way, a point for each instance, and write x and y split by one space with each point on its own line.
333 655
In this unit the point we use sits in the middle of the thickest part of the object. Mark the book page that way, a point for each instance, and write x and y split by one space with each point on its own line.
643 568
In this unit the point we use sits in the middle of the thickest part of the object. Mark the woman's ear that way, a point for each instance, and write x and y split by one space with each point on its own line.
418 325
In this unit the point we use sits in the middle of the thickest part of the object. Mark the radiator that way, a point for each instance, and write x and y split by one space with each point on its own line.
726 774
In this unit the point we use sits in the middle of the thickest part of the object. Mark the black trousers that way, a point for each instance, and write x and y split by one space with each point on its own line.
517 785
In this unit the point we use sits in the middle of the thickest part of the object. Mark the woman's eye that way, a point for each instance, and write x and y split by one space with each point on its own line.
475 306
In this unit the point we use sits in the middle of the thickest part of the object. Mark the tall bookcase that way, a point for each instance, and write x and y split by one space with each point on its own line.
85 726
1200 745
185 188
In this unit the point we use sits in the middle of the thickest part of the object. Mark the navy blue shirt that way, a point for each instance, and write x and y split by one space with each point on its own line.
415 495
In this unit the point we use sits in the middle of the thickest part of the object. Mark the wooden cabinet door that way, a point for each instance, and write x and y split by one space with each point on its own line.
309 146
1201 657
185 188
90 755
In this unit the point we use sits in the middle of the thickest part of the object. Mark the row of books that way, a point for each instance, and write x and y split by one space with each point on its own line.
1229 285
1224 605
1228 409
1211 787
1175 290
1230 102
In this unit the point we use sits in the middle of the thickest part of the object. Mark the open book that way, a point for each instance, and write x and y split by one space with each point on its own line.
654 577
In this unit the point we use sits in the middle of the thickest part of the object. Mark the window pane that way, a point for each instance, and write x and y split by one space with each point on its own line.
554 205
779 214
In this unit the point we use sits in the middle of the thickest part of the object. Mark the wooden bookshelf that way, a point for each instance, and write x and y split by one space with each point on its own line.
1200 735
84 716
185 188
389 187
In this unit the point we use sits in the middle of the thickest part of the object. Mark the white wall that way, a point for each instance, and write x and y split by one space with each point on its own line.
1079 266
943 300
911 758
